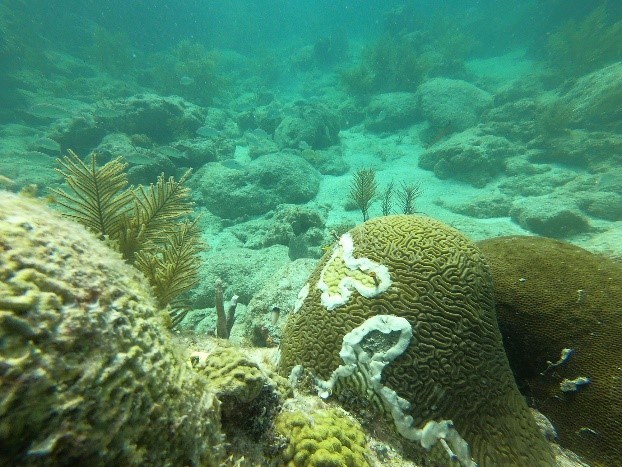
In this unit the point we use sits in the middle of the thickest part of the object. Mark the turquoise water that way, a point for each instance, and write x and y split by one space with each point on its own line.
495 117
520 103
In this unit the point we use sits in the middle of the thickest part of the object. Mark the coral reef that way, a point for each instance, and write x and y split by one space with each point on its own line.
248 392
552 296
454 368
472 156
257 187
88 372
321 438
308 125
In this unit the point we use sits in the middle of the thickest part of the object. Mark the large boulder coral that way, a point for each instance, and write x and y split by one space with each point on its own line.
452 103
552 296
257 187
250 393
401 312
162 119
308 125
596 99
471 156
88 375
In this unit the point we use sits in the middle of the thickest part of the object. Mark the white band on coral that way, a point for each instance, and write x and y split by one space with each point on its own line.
344 250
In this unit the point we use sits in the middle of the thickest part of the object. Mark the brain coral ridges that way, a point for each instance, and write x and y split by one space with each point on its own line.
455 367
88 374
558 308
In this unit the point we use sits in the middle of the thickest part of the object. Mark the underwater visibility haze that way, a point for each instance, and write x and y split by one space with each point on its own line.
311 233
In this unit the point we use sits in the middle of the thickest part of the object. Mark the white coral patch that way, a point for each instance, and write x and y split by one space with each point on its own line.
357 360
302 295
361 274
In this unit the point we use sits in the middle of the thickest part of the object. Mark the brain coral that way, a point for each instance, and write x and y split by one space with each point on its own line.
249 392
454 367
321 438
87 372
553 296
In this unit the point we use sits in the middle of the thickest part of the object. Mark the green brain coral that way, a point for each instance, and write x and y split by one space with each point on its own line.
326 438
452 368
249 392
553 296
231 374
88 374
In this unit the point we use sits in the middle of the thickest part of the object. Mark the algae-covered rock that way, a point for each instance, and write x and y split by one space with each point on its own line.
549 216
283 226
257 187
471 156
270 306
243 271
161 118
145 164
88 374
453 102
595 98
309 125
552 296
392 111
327 161
417 295
234 377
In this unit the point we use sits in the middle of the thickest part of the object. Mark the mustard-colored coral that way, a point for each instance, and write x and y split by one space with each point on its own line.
323 438
249 392
88 373
232 375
